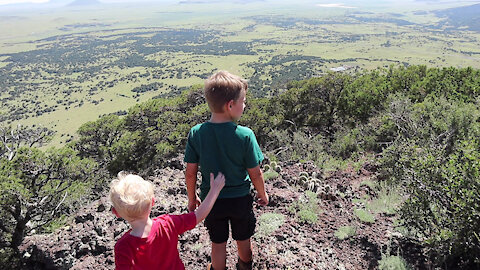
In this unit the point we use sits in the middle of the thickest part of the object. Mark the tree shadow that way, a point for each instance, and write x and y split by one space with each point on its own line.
372 252
411 252
35 259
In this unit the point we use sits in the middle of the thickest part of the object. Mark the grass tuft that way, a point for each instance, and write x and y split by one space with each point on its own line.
386 202
345 232
306 208
392 263
270 175
364 216
268 223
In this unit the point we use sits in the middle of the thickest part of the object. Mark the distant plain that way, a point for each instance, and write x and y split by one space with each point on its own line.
62 67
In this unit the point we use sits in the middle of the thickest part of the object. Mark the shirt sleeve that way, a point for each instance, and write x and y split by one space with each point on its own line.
191 155
184 222
253 155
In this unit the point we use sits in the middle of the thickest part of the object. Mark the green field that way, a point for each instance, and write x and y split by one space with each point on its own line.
62 67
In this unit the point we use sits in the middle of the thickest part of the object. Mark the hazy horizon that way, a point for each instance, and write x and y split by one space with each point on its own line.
10 7
13 2
340 3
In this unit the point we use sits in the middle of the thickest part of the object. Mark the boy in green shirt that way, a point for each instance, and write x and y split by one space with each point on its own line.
221 146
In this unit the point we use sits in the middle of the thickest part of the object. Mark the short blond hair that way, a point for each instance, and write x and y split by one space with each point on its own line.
131 196
222 87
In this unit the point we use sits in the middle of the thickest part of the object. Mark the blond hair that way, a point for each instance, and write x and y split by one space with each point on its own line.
222 87
131 196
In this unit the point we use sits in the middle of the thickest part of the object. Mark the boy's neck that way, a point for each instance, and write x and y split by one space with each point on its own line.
220 118
141 227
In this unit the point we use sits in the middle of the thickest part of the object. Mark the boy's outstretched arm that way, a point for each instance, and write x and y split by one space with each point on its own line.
256 176
216 186
191 181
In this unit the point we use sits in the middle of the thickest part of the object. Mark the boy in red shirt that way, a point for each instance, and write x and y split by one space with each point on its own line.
152 243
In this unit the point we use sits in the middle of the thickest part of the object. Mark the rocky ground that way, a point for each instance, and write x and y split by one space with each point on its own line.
87 243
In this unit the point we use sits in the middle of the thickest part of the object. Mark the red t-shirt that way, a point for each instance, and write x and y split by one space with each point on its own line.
159 249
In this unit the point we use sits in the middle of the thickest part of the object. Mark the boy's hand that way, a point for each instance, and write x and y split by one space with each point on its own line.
218 183
193 204
262 199
215 186
259 183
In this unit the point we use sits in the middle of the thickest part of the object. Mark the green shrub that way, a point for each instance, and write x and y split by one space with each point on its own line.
268 223
297 145
330 163
262 117
364 216
56 224
345 232
346 143
361 201
270 175
306 208
306 215
392 263
436 160
9 259
368 183
386 201
363 96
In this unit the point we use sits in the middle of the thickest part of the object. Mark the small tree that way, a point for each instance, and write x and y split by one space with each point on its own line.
14 138
36 188
97 137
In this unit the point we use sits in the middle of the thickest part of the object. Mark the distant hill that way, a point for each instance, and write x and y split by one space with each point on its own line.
218 1
467 16
84 3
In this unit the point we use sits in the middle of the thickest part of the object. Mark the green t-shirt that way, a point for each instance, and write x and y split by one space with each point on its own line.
227 148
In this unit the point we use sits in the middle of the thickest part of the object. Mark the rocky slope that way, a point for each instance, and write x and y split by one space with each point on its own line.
87 243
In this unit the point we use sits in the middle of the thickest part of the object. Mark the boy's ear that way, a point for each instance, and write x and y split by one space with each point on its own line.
114 211
153 201
230 104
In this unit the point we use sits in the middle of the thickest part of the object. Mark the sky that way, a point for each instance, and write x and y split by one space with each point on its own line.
327 3
6 2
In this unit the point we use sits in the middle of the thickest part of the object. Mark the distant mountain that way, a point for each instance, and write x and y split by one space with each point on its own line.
218 1
84 3
467 16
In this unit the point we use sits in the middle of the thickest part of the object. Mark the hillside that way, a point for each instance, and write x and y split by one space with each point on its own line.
467 17
87 242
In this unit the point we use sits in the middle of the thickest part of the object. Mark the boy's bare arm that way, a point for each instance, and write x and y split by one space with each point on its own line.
216 186
256 176
191 181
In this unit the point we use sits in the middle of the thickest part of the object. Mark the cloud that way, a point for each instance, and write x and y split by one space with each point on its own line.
334 5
